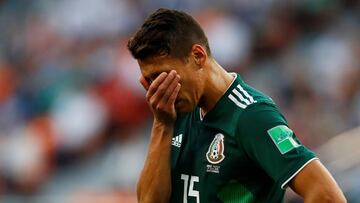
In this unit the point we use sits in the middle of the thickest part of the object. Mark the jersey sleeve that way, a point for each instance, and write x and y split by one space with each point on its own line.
268 141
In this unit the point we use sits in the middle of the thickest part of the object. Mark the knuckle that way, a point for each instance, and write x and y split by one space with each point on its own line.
161 107
152 102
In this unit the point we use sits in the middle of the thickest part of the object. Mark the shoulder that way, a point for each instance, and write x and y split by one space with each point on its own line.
251 105
244 95
254 111
262 112
259 118
240 101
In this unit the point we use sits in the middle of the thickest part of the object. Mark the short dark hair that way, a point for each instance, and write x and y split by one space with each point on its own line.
167 32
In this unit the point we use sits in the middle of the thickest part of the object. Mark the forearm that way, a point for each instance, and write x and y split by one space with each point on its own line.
154 185
317 197
324 193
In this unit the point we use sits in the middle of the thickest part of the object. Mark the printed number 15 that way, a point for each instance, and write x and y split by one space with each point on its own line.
192 192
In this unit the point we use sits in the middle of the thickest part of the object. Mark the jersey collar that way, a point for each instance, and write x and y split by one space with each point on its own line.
221 116
230 87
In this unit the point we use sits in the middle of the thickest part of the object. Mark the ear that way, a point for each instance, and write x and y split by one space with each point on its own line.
199 54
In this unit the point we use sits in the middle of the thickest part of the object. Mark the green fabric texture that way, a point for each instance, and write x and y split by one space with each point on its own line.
241 151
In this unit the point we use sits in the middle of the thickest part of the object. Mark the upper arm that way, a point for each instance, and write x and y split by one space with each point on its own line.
271 144
315 184
268 141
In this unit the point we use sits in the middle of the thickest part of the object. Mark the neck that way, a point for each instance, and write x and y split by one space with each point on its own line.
217 82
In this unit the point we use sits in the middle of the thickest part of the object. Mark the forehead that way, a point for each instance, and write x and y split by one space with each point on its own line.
157 65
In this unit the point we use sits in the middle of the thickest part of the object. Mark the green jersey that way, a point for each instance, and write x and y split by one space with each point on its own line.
242 151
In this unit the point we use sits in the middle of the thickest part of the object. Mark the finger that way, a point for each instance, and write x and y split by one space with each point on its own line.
155 84
144 83
170 89
165 85
174 95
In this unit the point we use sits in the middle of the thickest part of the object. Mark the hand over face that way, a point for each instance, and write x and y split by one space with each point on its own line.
161 95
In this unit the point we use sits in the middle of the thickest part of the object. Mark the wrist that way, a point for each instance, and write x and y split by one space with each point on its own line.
163 124
161 130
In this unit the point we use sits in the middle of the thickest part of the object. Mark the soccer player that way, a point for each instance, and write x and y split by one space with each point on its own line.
214 138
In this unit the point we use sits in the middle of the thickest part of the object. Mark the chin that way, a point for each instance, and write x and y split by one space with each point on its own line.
183 107
183 110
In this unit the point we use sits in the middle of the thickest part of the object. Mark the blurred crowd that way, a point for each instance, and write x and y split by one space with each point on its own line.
73 121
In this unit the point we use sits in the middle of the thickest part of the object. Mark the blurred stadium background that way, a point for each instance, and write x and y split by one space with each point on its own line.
73 122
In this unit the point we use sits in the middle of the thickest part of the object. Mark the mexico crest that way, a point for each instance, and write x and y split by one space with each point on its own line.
215 154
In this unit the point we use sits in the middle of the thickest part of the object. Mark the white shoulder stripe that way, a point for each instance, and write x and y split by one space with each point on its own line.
239 104
237 93
246 93
242 99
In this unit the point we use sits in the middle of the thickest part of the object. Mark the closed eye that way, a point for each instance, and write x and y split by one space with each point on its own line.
152 77
149 80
